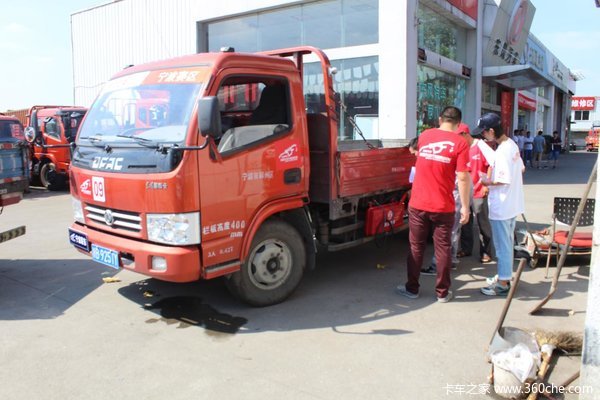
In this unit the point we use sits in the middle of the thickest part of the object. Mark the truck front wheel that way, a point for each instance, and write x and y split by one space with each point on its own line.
273 268
51 179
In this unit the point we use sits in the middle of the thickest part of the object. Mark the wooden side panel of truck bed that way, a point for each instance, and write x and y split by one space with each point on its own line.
373 170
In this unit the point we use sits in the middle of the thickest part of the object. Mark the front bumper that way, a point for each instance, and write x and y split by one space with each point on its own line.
183 263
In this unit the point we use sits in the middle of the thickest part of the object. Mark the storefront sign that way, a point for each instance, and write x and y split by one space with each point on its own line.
583 103
535 55
510 32
558 72
526 103
469 7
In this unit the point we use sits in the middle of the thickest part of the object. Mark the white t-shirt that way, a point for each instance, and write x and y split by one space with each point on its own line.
519 141
507 201
527 143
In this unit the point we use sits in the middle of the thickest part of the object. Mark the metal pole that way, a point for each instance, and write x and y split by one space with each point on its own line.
590 362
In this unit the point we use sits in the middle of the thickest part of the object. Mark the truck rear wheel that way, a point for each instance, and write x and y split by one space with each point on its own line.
273 268
51 179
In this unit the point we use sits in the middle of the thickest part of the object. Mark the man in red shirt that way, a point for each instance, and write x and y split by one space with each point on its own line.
443 158
479 166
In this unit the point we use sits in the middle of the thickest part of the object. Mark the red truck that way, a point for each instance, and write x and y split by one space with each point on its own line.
51 130
226 173
14 168
591 140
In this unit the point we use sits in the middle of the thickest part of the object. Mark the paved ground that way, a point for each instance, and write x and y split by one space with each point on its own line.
345 334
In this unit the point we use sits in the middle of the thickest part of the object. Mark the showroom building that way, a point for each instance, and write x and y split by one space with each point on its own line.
399 63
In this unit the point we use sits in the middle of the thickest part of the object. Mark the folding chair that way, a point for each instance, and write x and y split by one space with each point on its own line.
565 209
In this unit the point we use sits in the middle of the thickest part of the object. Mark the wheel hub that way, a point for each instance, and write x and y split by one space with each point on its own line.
271 264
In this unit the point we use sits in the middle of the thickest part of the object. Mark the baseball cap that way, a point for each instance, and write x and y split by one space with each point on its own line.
487 121
463 128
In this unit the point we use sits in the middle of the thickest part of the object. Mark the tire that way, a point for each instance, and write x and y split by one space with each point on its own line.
50 179
274 266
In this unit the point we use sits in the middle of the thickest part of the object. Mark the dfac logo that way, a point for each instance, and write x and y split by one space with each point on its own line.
290 154
86 187
437 148
108 163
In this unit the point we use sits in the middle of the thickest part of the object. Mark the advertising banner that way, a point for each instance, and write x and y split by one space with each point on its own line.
469 7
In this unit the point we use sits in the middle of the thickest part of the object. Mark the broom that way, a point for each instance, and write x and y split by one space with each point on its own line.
567 342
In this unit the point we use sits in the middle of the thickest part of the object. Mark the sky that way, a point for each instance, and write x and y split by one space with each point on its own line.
36 65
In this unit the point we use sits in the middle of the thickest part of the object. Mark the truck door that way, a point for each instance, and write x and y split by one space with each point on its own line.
258 159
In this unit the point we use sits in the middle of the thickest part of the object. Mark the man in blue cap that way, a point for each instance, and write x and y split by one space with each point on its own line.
505 199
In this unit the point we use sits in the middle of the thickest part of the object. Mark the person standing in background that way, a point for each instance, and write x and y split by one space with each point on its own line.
539 143
556 148
528 149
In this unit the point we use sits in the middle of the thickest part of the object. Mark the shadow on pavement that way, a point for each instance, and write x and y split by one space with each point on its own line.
45 289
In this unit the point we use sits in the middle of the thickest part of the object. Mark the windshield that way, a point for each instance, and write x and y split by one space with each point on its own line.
152 106
11 130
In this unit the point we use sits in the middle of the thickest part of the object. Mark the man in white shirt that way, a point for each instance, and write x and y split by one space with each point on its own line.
505 200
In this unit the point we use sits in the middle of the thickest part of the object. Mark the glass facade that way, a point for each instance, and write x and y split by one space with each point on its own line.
325 24
357 85
436 90
440 35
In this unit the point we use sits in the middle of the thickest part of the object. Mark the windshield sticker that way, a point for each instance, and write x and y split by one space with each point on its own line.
126 81
226 226
288 154
257 175
177 75
86 187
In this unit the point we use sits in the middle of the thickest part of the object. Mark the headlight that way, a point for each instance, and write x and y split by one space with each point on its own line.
77 210
181 229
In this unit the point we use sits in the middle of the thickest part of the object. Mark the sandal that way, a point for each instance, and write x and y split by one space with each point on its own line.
461 254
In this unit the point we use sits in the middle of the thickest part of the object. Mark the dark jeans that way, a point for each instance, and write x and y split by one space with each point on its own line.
420 223
528 157
479 207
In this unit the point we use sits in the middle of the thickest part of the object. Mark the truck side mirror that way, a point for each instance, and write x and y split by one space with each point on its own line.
209 117
30 134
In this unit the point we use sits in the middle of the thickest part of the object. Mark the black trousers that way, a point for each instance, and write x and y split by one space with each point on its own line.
480 214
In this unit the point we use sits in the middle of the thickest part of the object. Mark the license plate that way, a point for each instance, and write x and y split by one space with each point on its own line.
79 240
105 256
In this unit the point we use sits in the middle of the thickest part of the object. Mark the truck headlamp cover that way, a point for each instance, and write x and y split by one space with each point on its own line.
176 229
77 210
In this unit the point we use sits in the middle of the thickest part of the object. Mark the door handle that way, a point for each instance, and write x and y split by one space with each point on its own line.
292 175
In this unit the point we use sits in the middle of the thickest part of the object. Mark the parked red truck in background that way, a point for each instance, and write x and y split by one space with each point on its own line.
230 175
14 168
591 140
54 129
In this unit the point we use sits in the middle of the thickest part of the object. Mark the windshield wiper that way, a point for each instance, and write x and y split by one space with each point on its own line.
96 140
143 141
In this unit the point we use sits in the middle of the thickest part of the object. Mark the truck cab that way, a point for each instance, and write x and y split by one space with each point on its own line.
231 177
52 129
591 140
14 168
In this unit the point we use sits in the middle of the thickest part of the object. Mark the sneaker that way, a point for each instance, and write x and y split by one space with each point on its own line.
401 289
431 270
486 259
496 290
492 280
445 299
454 266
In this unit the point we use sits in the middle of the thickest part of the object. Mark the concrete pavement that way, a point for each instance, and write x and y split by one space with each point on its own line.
64 334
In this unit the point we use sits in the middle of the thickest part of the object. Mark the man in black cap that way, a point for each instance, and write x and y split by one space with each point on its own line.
505 200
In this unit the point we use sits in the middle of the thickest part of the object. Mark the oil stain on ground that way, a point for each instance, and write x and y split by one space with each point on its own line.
192 311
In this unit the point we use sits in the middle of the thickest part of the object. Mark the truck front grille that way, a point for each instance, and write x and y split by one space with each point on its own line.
114 218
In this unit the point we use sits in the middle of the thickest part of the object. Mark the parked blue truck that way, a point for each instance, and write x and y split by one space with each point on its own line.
14 169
